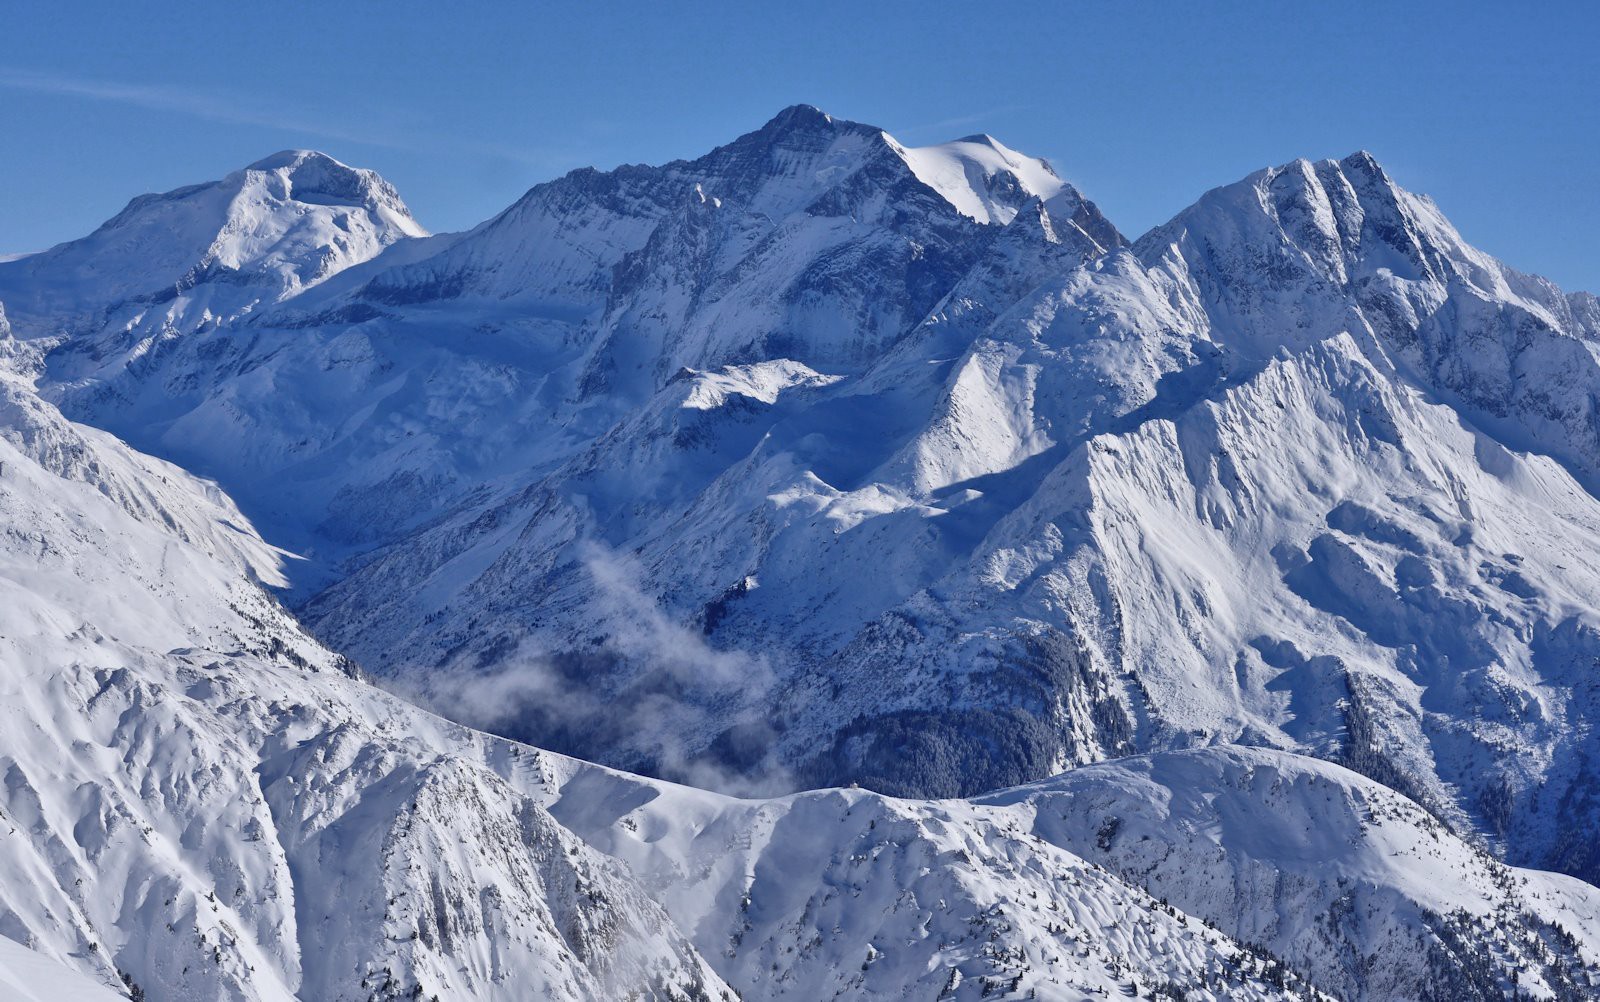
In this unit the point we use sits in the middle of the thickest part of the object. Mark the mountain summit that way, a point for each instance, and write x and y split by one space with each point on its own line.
206 254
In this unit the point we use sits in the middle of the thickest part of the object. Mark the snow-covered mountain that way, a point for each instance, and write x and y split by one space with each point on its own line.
200 802
360 408
819 459
1228 484
199 257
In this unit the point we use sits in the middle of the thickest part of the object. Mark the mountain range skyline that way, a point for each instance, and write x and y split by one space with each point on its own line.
824 566
1490 114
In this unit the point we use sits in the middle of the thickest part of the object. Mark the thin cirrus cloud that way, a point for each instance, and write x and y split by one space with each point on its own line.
238 112
960 121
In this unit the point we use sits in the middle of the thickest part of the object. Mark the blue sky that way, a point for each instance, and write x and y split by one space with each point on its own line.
1493 110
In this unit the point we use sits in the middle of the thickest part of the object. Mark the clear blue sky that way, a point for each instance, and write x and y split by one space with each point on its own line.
1493 110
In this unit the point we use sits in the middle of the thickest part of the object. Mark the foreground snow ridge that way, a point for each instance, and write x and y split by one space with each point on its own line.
832 569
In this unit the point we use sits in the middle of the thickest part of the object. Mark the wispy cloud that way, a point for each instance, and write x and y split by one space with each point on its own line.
945 125
184 102
677 692
235 110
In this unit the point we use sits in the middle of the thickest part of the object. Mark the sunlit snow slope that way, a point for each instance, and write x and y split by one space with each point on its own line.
199 802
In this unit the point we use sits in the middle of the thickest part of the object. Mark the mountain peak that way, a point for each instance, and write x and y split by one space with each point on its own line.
294 158
1363 162
1342 218
313 177
982 178
809 127
284 223
798 116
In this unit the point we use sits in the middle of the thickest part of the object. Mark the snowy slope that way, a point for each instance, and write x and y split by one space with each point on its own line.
848 894
1372 898
376 849
845 891
25 976
981 177
197 796
199 803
